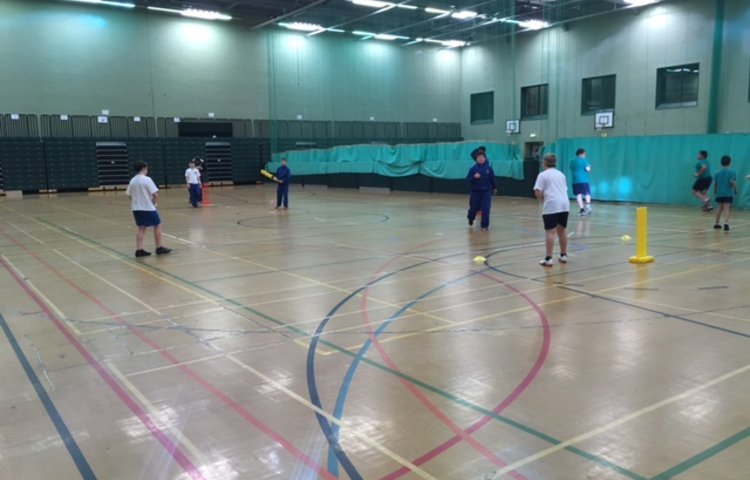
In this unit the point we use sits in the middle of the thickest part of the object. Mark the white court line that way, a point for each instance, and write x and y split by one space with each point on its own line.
638 413
350 429
24 232
179 239
46 300
157 417
104 280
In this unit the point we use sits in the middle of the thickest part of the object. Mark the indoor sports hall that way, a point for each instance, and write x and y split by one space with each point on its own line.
310 239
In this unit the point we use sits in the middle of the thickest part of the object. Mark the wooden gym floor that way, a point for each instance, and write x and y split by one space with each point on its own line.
358 321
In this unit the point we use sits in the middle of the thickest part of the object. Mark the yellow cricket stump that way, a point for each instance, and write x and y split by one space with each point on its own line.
641 241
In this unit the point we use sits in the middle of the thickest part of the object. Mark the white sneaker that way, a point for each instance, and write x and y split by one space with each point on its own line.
589 210
564 258
546 262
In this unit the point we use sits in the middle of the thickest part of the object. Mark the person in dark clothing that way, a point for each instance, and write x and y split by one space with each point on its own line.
284 177
483 186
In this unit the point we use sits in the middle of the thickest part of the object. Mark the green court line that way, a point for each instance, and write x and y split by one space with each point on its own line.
425 386
704 455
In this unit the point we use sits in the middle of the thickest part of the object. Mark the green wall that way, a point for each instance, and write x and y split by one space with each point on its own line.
631 44
61 57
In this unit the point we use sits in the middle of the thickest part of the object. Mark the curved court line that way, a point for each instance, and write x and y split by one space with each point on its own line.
226 399
507 401
194 288
177 454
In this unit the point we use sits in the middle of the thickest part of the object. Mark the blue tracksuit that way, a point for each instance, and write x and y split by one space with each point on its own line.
282 189
481 192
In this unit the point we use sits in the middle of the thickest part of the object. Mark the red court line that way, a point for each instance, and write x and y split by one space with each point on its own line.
168 444
466 434
280 440
416 392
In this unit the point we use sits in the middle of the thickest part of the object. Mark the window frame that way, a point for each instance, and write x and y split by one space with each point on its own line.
543 109
489 99
661 87
587 111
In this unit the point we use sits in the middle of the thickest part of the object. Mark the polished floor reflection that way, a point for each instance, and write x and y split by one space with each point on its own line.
354 336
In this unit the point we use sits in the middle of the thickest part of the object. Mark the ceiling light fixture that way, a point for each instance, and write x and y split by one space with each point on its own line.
464 15
205 14
640 3
533 24
303 27
372 3
106 2
437 11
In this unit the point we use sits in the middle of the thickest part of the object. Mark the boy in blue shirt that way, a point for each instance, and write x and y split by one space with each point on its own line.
482 181
725 187
284 177
580 168
702 180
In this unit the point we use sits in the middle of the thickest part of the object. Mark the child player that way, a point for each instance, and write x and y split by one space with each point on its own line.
283 176
702 180
725 187
143 194
483 186
552 188
193 180
580 168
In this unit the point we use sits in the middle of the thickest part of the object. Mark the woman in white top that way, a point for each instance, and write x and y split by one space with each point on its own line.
552 188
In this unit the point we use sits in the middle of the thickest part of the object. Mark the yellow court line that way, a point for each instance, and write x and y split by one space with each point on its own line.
620 421
156 417
104 280
564 299
350 429
46 300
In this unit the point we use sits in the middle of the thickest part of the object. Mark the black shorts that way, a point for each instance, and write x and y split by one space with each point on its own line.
724 200
552 220
702 184
581 189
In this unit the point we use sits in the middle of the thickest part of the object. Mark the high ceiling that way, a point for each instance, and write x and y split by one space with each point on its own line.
406 18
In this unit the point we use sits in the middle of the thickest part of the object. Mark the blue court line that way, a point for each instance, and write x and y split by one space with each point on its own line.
338 411
54 415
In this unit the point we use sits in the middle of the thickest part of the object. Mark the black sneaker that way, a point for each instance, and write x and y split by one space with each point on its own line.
471 222
163 250
726 227
717 227
142 253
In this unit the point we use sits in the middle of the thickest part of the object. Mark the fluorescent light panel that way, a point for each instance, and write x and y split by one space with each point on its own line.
436 11
303 27
106 2
640 3
533 24
464 15
372 3
194 13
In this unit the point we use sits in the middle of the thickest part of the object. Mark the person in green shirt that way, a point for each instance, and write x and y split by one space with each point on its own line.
580 168
725 187
702 181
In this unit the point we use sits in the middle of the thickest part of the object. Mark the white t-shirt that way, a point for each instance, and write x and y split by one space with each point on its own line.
193 175
554 186
140 189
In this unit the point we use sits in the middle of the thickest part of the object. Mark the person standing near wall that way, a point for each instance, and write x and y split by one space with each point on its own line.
580 168
193 181
284 177
702 180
